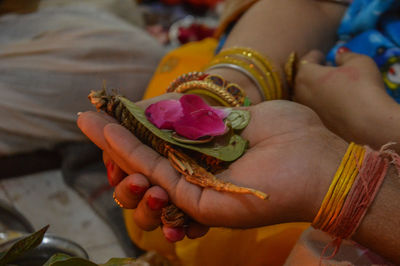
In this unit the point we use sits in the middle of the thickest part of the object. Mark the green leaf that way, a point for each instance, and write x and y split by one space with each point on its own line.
239 119
231 151
57 257
120 262
21 246
66 260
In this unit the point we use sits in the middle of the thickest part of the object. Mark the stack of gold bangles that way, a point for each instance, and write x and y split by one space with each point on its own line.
255 66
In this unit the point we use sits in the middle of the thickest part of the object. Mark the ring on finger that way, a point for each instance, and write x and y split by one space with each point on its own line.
117 201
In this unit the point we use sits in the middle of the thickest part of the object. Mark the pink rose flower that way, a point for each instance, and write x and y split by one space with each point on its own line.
189 117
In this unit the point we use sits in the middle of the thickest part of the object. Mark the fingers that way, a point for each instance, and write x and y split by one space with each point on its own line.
114 173
173 234
131 189
346 57
148 213
314 56
92 125
196 230
309 69
140 158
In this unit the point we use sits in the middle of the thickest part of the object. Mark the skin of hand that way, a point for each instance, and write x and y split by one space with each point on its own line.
350 98
291 156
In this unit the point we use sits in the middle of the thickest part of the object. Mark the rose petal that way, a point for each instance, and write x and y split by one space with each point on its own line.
191 103
163 114
222 112
200 123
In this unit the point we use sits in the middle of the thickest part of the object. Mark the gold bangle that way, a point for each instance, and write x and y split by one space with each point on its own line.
267 90
232 88
184 78
256 56
225 97
245 72
290 71
214 86
259 67
117 201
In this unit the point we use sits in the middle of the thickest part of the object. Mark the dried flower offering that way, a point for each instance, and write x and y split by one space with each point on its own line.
177 130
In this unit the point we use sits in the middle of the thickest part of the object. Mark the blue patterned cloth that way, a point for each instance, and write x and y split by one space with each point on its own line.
372 27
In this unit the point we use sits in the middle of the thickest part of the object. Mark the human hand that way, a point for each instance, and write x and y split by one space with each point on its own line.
292 157
350 99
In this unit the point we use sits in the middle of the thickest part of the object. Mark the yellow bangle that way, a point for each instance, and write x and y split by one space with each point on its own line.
267 91
290 71
267 82
340 187
255 56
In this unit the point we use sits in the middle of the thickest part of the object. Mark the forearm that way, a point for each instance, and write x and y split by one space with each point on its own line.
277 28
380 231
386 127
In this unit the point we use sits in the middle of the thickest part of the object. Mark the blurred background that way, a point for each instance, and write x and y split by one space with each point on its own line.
52 53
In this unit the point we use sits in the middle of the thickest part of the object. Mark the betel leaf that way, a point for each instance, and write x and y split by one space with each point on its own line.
239 119
231 151
57 257
23 245
122 262
66 260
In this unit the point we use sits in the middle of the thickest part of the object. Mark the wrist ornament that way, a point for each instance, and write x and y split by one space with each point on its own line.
214 86
352 191
255 66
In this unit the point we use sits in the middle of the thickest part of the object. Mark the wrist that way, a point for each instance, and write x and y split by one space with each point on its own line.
331 152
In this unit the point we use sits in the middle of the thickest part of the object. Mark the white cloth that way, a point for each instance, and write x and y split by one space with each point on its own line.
51 59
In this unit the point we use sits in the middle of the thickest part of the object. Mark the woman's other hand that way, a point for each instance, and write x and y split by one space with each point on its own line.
350 98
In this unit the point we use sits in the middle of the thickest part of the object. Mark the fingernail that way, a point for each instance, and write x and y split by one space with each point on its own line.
110 171
343 50
173 234
155 203
137 190
78 113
